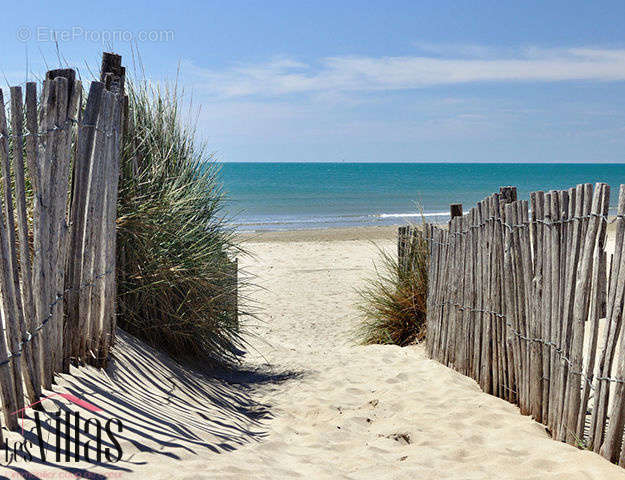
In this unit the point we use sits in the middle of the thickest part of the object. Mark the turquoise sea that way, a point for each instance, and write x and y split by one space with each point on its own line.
289 196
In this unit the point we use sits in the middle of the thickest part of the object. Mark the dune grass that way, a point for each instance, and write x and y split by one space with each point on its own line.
175 281
393 303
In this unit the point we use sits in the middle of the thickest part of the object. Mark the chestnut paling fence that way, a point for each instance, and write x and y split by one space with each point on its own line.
524 298
60 166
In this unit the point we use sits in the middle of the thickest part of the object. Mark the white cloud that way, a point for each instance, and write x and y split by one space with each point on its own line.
286 76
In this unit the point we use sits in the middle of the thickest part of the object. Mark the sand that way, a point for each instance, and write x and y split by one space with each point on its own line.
310 403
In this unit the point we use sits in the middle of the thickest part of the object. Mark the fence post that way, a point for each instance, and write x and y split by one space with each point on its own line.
112 71
93 212
401 246
455 210
29 351
508 194
13 311
78 216
113 75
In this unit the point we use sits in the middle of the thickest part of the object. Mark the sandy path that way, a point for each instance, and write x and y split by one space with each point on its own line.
307 402
377 411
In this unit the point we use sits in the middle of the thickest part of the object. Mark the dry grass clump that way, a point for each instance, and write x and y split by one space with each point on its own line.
175 282
394 302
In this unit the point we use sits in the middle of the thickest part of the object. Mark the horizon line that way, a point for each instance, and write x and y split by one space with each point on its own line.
415 163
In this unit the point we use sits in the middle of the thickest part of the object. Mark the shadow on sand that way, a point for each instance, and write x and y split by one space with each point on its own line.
166 409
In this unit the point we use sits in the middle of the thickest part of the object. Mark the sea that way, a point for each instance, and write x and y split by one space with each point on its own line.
292 196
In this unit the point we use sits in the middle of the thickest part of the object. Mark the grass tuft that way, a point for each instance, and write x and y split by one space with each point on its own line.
175 281
393 303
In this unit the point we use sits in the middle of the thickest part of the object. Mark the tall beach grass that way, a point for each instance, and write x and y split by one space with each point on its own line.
393 303
175 281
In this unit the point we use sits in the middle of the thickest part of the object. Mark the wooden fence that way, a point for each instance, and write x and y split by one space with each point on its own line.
407 238
60 168
524 299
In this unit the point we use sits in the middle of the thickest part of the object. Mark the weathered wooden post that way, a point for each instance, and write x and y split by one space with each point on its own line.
91 266
113 74
111 71
82 165
512 373
402 233
508 194
455 210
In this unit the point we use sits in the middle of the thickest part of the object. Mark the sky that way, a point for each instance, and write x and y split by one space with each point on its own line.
357 81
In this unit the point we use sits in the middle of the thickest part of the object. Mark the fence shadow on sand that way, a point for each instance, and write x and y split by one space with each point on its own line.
167 409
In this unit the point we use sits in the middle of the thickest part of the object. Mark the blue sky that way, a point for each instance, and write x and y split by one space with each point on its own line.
423 81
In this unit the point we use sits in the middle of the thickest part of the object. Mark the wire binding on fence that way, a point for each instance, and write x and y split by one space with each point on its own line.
548 223
28 336
56 128
519 334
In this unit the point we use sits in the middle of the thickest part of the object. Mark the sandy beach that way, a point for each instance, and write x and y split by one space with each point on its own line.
308 402
210 209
